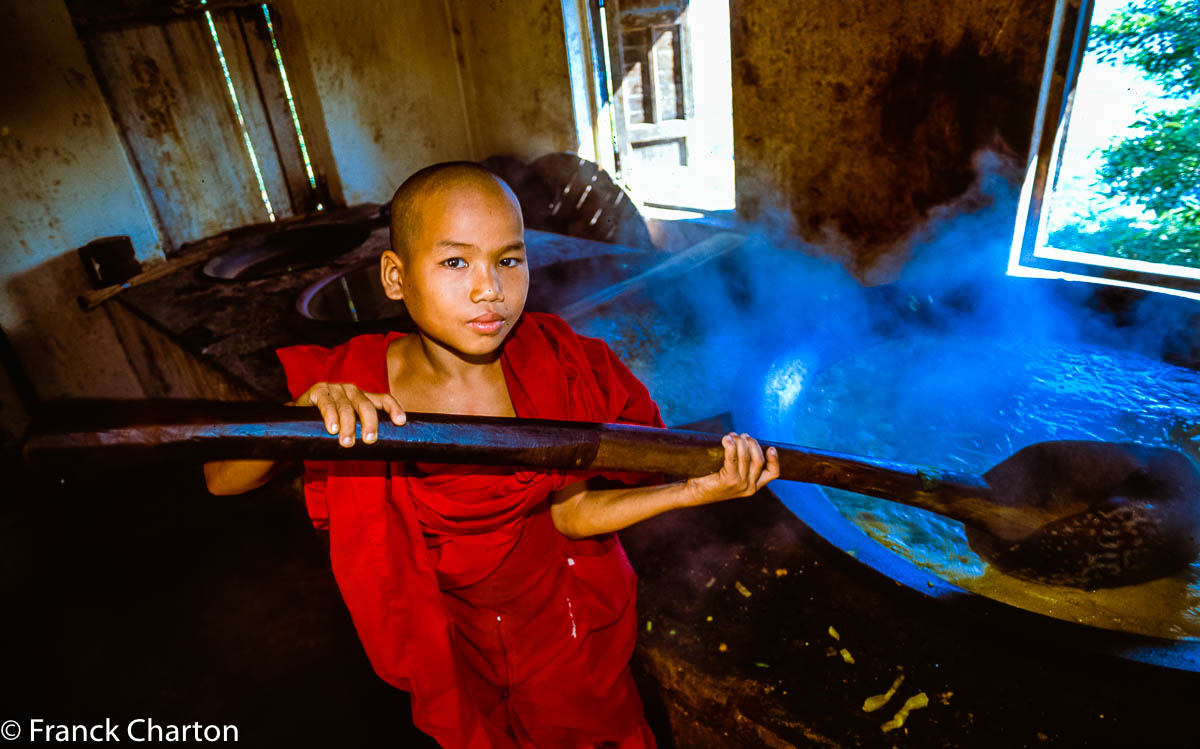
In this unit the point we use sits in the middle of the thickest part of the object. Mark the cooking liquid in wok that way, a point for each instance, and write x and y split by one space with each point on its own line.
968 404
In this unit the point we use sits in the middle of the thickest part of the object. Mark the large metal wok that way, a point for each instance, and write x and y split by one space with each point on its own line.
862 402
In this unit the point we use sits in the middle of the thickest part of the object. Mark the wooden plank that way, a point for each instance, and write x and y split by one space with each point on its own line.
279 116
637 83
243 75
666 64
169 97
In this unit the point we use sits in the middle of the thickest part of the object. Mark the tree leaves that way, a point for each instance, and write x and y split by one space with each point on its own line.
1158 168
1159 37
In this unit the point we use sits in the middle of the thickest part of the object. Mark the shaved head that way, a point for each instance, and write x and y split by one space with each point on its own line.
457 260
434 182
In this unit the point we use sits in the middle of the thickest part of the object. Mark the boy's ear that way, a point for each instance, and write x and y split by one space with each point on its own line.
391 274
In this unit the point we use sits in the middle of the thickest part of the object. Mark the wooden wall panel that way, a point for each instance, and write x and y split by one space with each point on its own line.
261 55
170 99
243 75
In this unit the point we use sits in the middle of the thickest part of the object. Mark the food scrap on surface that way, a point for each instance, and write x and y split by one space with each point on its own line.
916 702
834 633
846 656
722 648
780 572
873 703
741 588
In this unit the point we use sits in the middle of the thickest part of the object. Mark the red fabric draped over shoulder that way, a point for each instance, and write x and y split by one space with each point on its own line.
505 632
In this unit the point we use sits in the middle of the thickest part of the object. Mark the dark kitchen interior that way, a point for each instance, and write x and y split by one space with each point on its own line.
852 297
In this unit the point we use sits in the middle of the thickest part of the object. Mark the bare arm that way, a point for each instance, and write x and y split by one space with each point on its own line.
341 405
225 477
579 512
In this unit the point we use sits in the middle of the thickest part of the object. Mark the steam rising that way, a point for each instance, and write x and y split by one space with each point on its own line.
704 342
950 363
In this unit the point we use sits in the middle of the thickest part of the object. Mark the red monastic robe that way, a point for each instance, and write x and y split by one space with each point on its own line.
505 632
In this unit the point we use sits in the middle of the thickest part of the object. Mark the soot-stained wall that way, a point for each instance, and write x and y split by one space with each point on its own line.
853 119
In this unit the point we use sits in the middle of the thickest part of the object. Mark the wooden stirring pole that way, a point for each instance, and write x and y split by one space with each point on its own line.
1090 514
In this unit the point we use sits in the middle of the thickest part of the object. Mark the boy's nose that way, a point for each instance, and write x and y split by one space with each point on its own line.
487 288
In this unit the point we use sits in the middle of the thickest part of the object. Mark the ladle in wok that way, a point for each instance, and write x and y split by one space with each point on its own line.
1076 513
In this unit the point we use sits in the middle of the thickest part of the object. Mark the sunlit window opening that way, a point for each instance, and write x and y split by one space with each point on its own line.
1124 190
669 64
237 109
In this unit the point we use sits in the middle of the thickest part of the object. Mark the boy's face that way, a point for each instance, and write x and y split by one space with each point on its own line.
462 274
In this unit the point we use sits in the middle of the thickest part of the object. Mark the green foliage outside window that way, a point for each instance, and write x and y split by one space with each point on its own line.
1157 169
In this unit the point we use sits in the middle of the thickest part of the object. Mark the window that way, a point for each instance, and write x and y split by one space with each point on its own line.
659 74
1112 190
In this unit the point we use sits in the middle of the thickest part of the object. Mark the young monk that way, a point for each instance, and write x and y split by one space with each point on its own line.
499 598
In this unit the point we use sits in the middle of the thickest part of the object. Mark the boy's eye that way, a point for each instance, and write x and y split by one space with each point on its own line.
454 262
511 262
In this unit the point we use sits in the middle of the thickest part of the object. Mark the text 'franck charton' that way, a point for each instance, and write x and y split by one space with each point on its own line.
138 730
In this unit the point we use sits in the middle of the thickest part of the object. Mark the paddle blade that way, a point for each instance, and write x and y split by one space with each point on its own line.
1117 514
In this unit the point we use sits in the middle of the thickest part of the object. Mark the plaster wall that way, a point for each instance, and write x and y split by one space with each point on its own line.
388 83
853 120
66 182
517 78
404 85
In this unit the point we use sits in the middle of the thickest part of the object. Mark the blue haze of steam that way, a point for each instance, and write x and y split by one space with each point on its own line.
952 342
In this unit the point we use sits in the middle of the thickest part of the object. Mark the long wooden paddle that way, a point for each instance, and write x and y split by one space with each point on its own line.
1084 514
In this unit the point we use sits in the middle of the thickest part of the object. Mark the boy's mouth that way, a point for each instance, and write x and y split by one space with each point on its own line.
489 323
